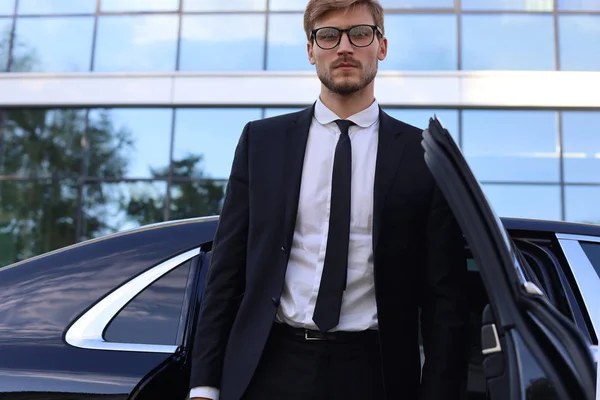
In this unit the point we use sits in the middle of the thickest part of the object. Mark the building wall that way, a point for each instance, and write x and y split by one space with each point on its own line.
115 113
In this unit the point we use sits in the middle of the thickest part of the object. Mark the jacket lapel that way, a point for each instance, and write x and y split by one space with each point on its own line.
390 150
295 147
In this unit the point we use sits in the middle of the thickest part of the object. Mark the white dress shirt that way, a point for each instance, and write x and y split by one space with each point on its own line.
307 253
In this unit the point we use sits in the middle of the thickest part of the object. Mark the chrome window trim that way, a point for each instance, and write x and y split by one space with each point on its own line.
86 332
585 275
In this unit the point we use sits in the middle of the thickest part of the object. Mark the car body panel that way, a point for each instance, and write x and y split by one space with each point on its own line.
41 297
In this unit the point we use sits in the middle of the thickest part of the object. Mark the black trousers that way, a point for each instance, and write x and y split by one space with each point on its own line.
292 367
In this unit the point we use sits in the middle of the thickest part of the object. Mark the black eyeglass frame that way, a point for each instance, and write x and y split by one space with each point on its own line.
376 29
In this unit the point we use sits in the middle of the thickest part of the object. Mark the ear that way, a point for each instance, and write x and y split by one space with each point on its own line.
309 50
383 45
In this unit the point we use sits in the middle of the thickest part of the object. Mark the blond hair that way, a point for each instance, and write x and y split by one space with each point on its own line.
316 9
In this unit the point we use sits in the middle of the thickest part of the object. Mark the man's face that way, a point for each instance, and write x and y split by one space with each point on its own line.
346 68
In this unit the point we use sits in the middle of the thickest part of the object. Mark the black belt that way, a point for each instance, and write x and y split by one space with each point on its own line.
340 336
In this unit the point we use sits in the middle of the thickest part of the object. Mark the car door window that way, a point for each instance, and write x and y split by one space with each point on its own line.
154 315
592 251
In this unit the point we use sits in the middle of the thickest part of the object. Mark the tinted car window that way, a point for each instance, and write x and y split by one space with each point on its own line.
153 316
592 250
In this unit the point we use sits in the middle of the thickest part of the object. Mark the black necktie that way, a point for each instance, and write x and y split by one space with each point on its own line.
333 279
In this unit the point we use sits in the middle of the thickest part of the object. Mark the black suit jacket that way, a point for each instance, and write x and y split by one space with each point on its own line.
418 261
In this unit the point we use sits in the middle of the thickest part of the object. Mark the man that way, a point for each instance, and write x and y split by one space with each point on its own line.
333 234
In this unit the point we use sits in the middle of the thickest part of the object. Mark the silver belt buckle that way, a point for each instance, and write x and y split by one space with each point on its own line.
306 337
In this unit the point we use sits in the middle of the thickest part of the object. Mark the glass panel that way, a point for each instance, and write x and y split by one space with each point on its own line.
153 316
592 251
287 43
195 199
513 5
581 146
136 43
578 5
581 204
7 7
394 4
219 5
420 118
36 217
412 35
578 35
512 145
38 7
208 45
133 142
512 42
207 138
273 112
139 5
5 28
300 5
41 44
42 143
114 207
525 201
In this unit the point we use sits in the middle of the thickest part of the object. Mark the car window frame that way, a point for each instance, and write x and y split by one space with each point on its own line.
87 331
584 276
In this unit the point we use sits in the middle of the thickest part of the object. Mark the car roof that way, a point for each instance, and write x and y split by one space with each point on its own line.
572 228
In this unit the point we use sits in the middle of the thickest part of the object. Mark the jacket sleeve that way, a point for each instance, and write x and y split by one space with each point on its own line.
443 302
225 281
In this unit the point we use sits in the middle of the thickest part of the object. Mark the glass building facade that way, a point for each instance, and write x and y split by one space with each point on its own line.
78 161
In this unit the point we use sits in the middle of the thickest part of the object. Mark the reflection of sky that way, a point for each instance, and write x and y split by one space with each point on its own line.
513 5
420 118
581 203
525 201
222 42
287 43
56 6
48 38
113 214
212 132
420 42
150 129
416 4
136 43
7 7
581 144
513 42
139 5
579 5
511 145
220 5
5 25
579 38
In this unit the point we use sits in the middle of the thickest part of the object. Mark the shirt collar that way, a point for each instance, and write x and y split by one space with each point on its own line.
364 118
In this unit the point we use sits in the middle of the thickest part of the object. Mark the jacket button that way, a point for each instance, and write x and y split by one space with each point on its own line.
275 301
284 249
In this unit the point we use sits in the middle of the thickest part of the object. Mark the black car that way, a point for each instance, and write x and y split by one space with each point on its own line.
113 317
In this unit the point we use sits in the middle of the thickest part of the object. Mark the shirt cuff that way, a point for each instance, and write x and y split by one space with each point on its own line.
205 391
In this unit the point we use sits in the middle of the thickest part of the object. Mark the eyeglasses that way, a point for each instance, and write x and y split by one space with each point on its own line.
359 35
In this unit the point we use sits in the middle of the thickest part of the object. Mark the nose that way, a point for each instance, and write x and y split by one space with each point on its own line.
345 46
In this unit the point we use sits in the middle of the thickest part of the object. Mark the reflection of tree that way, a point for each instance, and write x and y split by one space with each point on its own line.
200 197
50 145
541 388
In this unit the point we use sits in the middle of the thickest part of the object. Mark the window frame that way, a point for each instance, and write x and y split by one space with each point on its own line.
585 278
87 331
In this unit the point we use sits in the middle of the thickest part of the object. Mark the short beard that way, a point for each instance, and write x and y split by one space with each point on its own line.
345 89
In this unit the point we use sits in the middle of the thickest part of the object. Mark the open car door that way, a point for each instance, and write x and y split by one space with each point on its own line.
531 351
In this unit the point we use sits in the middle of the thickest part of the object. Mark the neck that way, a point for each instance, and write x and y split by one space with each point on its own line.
345 106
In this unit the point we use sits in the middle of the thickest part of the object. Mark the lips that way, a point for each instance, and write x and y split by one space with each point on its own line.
345 65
